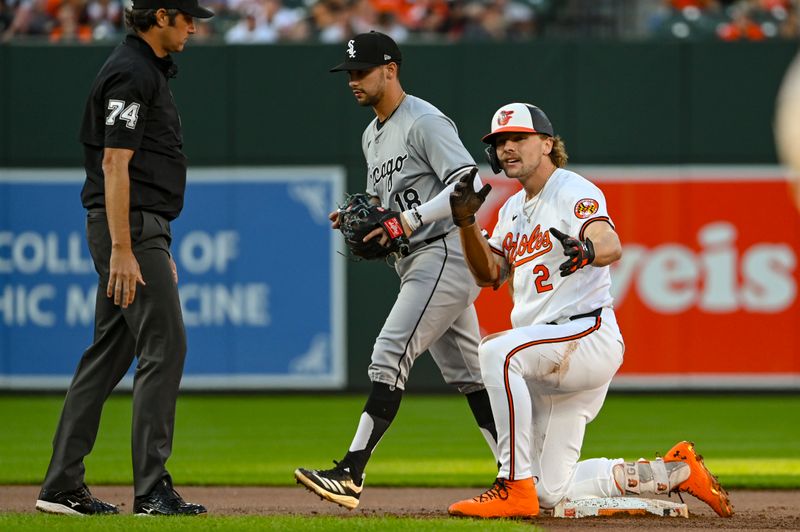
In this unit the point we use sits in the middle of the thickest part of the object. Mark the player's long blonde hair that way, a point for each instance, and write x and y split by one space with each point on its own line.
558 155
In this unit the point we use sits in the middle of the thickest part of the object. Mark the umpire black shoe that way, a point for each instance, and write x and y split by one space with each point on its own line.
164 500
335 485
73 502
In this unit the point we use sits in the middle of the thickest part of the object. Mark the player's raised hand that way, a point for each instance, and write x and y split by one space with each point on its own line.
464 201
579 252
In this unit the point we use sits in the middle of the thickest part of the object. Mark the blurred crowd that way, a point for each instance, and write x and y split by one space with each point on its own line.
333 21
751 20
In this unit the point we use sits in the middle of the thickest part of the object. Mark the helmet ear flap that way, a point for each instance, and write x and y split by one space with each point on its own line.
491 158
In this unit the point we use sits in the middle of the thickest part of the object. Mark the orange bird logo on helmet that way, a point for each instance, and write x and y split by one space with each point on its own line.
504 117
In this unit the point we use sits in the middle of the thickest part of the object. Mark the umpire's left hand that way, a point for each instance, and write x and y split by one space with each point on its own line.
124 274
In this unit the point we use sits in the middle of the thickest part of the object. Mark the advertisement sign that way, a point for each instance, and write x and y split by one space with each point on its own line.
262 300
706 292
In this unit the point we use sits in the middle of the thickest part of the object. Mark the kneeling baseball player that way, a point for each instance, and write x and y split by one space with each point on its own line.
548 376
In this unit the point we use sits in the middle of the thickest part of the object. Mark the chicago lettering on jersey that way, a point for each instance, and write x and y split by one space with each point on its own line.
523 248
386 170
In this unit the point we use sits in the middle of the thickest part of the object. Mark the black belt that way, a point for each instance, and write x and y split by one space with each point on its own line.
425 243
97 210
593 314
435 238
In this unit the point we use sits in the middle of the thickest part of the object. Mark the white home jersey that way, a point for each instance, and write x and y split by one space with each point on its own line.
411 157
569 203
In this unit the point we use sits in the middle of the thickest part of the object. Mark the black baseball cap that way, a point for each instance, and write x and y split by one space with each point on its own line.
190 7
367 50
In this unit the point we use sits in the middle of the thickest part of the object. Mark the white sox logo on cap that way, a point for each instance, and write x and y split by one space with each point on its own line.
364 51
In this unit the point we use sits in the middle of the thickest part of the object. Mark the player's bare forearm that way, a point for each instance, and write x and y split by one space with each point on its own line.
486 268
607 247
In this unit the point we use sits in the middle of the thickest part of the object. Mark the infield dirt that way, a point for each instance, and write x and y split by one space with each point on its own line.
755 510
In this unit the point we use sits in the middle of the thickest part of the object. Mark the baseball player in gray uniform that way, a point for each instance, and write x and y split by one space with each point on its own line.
414 158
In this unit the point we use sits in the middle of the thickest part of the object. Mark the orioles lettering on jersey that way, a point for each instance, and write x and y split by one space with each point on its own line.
523 248
386 170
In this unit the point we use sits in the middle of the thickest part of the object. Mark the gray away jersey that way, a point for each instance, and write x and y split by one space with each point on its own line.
411 158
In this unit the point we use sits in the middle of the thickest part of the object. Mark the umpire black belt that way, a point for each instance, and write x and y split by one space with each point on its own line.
593 314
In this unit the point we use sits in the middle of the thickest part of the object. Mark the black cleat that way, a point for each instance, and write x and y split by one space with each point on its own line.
335 485
73 502
164 500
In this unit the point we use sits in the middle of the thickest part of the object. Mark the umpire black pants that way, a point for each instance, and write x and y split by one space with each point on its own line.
151 329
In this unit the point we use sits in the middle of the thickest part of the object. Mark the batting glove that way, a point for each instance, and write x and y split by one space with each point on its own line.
464 201
580 252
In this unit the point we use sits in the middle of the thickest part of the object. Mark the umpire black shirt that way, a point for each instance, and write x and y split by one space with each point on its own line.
130 106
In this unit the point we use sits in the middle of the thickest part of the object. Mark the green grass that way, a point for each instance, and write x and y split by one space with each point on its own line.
20 522
749 441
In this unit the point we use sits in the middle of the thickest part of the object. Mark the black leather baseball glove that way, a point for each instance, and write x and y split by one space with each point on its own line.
359 216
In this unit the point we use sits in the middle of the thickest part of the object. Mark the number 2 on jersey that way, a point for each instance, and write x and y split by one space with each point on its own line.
411 198
542 275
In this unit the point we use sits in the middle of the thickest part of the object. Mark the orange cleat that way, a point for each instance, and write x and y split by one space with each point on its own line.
507 498
701 482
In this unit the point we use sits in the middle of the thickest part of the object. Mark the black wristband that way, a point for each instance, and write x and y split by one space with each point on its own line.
464 222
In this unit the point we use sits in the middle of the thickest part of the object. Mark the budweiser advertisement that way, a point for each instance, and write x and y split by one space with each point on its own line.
706 290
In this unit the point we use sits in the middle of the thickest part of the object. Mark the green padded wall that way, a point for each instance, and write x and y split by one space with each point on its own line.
613 103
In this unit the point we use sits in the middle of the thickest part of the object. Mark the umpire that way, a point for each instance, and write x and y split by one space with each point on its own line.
135 181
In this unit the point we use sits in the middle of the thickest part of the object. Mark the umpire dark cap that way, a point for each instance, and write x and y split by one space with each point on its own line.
519 117
190 7
368 50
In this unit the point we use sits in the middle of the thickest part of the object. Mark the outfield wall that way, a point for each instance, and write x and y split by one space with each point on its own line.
613 103
706 292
